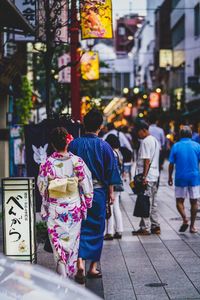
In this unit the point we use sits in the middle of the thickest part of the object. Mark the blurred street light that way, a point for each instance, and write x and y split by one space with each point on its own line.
130 37
145 96
158 90
125 90
136 90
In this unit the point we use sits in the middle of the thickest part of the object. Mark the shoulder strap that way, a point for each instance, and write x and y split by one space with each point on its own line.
152 156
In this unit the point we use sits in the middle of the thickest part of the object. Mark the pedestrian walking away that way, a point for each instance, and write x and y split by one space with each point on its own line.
159 134
124 142
185 155
65 184
114 225
148 165
99 157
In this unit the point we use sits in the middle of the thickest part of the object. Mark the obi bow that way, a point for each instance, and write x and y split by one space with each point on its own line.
63 187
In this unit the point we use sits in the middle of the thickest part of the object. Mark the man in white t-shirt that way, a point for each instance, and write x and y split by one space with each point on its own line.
148 165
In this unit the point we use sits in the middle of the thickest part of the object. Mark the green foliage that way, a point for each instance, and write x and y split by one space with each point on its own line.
41 230
41 226
24 103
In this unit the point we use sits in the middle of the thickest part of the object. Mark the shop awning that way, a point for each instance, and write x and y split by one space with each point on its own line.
10 17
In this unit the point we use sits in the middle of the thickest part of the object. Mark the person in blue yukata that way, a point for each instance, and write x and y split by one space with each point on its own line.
99 157
185 155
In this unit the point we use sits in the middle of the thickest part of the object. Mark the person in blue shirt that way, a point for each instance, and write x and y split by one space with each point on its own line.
185 155
99 157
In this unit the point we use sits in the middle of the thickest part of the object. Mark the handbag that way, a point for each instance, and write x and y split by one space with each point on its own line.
142 206
137 184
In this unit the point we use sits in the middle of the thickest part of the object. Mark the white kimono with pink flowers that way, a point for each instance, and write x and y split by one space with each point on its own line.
64 215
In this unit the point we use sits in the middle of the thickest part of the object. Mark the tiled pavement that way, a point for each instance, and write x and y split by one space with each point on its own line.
150 267
153 267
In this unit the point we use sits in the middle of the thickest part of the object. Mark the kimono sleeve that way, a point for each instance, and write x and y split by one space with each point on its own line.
110 166
85 183
42 183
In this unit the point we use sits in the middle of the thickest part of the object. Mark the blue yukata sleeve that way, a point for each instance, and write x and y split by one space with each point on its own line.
111 170
199 152
172 155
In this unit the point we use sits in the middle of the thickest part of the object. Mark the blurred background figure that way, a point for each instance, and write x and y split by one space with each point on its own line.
124 142
159 134
114 226
125 148
195 133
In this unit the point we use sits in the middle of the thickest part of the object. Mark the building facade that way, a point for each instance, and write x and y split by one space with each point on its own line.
11 62
185 34
143 51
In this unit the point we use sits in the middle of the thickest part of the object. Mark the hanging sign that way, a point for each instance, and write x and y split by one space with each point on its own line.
165 58
64 76
96 19
19 218
28 10
154 100
90 65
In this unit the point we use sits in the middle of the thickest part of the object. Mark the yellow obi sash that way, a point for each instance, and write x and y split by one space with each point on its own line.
63 187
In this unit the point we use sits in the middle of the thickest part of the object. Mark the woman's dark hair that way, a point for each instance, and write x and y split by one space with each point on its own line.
58 138
113 141
93 120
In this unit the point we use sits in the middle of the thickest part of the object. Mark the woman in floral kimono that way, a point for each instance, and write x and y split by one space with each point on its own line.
65 184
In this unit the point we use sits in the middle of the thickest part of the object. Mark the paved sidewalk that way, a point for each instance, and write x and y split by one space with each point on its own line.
150 267
153 267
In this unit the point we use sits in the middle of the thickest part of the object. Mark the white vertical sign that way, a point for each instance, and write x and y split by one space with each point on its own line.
18 215
28 10
65 73
61 33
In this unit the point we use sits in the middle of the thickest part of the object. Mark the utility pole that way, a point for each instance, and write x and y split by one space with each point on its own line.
75 57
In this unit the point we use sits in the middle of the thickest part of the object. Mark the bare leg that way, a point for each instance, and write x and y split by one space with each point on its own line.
194 208
93 268
80 264
80 276
181 209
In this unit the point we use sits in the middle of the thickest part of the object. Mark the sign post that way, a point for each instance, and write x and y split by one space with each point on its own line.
18 201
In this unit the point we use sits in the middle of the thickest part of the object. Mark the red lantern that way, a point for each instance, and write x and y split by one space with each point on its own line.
154 100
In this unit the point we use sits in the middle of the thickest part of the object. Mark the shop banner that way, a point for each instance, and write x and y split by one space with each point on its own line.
28 10
96 19
64 75
90 65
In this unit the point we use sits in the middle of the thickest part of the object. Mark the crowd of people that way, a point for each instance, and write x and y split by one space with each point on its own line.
86 175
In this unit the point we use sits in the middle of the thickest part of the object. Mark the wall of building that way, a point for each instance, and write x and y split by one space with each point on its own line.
192 48
189 48
145 43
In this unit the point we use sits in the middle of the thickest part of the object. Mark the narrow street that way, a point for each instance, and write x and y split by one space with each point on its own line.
150 267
